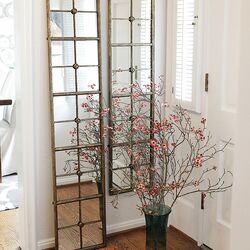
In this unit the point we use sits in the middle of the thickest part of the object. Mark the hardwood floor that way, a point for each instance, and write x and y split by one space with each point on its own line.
68 214
8 230
132 240
135 240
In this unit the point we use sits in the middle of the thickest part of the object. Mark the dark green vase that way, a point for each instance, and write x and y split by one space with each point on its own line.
156 229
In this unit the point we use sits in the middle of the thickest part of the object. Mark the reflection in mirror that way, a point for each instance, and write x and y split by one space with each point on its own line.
62 53
121 171
60 5
131 50
77 141
64 128
61 24
142 9
88 79
120 9
121 58
87 53
142 31
85 5
83 30
119 80
142 58
63 80
122 28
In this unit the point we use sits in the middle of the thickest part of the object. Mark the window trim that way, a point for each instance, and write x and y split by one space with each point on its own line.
195 105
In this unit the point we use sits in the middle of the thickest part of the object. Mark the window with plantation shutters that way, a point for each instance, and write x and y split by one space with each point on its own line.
145 36
185 55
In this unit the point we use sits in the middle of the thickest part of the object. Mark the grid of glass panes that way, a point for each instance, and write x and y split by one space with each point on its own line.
132 52
74 42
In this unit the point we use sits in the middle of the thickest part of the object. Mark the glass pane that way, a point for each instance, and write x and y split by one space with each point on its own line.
141 106
142 129
64 134
142 57
61 24
62 53
120 9
63 80
121 82
141 154
66 164
89 132
91 162
85 5
142 9
88 79
69 238
92 234
122 179
143 78
121 159
121 31
64 108
92 210
68 214
87 52
86 25
121 131
90 188
121 58
142 31
88 106
67 190
61 4
121 108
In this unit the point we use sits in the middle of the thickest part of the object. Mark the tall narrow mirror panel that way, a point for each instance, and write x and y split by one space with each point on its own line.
77 127
131 62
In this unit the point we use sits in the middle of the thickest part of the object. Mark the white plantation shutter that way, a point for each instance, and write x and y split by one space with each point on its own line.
145 37
185 52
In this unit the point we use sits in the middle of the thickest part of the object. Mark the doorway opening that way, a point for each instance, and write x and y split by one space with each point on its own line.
9 194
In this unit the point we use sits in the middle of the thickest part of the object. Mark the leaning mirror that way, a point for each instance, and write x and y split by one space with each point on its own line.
131 62
77 141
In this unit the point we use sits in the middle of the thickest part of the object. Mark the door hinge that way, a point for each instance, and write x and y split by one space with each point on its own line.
203 196
172 90
206 81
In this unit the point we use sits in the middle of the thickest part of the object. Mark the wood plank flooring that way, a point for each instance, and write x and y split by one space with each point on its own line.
132 240
135 240
68 214
8 230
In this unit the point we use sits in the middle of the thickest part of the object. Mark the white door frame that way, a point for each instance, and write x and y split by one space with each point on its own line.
25 123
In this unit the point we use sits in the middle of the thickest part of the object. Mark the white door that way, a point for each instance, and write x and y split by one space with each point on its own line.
222 59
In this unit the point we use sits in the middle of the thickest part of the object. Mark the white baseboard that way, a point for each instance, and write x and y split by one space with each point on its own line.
45 244
119 227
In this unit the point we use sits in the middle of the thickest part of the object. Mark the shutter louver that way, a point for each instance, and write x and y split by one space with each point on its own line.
185 35
145 37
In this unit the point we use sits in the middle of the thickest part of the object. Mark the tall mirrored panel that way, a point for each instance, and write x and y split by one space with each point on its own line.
76 123
131 73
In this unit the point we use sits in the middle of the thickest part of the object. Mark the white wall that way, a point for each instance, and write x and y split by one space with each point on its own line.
33 73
